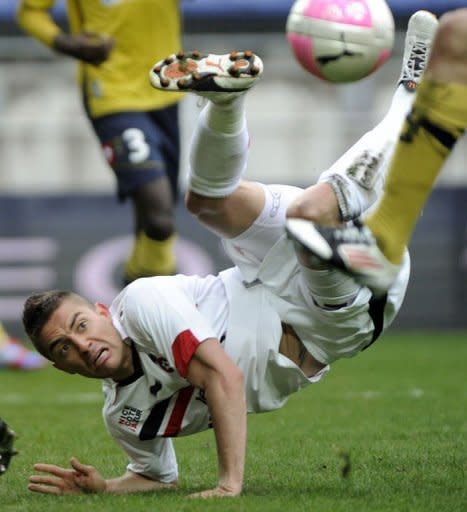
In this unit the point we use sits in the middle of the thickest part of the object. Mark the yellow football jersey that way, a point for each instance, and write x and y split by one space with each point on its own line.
144 31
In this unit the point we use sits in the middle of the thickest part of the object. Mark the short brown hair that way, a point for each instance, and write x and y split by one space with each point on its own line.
38 308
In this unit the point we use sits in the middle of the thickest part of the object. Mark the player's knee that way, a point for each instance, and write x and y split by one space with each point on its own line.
159 225
193 202
197 204
303 210
317 203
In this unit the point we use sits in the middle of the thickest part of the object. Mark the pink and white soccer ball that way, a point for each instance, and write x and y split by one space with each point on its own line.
340 40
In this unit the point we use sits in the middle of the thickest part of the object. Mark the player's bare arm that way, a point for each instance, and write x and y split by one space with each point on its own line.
212 369
83 479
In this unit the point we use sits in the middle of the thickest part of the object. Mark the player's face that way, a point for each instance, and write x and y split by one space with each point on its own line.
80 338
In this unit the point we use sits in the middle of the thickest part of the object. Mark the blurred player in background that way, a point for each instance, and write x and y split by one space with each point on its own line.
15 356
179 354
115 43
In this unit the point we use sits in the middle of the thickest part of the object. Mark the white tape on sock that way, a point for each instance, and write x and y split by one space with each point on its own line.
217 160
358 176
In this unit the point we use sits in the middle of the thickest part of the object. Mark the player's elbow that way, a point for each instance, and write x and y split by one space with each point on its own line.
236 376
195 203
234 382
228 383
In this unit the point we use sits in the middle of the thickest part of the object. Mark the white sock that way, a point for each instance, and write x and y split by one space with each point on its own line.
219 149
358 176
226 116
330 288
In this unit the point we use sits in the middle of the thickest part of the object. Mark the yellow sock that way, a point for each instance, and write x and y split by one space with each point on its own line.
151 258
430 131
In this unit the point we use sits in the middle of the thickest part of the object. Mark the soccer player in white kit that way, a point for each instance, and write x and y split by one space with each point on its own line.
180 354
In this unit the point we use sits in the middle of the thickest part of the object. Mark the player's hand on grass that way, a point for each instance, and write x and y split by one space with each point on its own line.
80 479
86 46
218 492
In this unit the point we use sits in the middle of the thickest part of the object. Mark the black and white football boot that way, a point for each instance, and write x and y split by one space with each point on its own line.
208 75
351 248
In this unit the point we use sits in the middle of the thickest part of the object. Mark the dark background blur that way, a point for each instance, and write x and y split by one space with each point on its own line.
60 225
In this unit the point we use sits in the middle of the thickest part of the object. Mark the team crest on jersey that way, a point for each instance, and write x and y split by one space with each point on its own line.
130 417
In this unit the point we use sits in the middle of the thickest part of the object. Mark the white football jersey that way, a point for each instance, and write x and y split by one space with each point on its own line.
164 319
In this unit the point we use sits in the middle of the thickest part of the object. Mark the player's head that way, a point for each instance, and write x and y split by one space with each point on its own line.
77 336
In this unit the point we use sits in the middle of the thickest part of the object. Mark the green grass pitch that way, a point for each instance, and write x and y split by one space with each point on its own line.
385 431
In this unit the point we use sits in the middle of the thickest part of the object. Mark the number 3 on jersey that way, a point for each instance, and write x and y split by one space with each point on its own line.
138 148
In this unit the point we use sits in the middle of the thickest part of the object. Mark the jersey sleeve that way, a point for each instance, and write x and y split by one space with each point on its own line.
34 18
160 316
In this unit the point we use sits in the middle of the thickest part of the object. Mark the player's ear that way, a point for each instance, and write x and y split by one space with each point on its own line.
102 309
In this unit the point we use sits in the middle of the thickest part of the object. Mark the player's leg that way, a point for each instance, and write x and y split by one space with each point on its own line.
154 201
153 251
357 178
437 120
217 194
137 145
352 317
